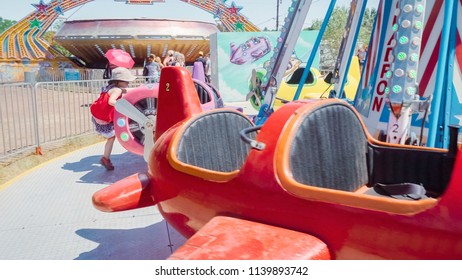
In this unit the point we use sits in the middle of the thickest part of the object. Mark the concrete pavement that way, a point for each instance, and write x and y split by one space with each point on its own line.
47 213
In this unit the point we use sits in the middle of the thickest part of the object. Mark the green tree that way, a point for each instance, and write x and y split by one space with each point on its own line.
336 27
5 24
367 25
49 37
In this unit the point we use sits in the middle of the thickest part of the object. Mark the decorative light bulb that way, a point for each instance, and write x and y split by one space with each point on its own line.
403 40
407 8
121 122
402 56
412 74
405 23
397 89
399 72
411 91
124 136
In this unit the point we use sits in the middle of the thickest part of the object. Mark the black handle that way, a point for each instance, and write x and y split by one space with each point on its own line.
253 143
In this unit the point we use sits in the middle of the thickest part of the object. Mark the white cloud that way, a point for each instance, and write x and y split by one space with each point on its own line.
229 94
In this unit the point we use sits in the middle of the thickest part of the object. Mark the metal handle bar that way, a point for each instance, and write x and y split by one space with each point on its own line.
253 143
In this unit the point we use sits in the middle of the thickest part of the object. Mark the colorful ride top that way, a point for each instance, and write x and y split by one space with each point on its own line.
23 41
410 88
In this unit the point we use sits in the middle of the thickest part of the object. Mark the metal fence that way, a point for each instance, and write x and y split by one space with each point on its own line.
34 115
56 75
10 74
16 118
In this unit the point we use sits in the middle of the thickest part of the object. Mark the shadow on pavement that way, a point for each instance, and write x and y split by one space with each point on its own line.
125 165
154 242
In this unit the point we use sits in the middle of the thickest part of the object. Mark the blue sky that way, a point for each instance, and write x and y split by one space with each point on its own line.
261 12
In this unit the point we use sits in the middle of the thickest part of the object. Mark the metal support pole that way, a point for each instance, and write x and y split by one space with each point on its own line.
442 64
277 15
315 48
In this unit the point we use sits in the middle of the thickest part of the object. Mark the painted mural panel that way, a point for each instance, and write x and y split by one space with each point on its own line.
235 54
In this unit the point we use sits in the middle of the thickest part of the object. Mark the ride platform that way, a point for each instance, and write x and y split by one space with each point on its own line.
47 213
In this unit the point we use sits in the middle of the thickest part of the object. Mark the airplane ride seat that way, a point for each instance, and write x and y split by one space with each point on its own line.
329 149
211 141
326 154
202 93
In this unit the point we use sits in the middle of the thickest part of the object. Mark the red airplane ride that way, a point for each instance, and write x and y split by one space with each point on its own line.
310 183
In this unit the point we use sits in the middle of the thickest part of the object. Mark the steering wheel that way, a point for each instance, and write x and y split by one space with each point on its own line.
135 119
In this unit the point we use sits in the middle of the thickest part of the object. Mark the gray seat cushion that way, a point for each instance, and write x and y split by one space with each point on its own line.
329 149
212 141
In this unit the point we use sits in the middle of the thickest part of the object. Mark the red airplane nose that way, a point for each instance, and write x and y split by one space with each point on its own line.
126 194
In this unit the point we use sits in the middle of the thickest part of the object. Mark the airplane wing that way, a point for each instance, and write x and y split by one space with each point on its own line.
226 238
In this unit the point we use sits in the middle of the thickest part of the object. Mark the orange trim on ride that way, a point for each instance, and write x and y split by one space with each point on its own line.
203 173
353 199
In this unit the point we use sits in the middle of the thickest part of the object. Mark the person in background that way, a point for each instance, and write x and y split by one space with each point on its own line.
208 69
362 53
159 62
102 110
201 59
152 70
179 59
169 59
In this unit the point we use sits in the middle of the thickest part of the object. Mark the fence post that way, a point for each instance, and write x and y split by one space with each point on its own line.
38 149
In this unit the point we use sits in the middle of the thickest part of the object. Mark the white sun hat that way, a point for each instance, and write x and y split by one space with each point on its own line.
122 74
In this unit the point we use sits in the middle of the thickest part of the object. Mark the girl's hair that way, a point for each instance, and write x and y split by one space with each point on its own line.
107 72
